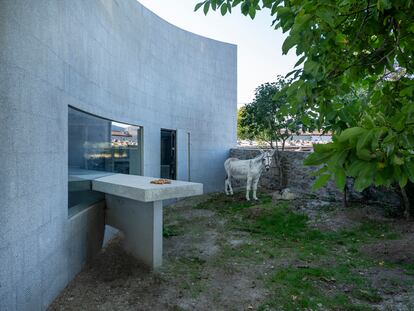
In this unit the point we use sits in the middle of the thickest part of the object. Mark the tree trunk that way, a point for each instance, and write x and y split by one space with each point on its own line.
406 203
283 144
345 197
279 165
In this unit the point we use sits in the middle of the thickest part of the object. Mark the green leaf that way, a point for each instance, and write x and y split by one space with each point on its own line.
206 7
340 178
252 12
340 38
364 154
338 158
364 140
245 7
356 167
300 61
275 9
408 91
379 132
311 67
368 122
403 180
290 73
321 181
236 2
321 148
319 172
327 15
397 160
223 9
198 5
213 4
289 42
316 158
282 11
362 182
384 5
409 167
350 133
301 22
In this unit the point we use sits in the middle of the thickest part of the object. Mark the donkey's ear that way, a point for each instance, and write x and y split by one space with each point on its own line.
261 151
272 152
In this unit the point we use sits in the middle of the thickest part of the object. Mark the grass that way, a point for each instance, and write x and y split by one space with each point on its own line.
409 268
329 276
191 273
169 231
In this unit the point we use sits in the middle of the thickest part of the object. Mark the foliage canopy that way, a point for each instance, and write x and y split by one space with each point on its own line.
356 80
265 118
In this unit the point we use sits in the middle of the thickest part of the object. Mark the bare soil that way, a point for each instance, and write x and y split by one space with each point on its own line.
191 277
199 275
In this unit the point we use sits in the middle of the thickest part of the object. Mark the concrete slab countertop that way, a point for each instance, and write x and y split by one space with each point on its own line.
134 206
140 188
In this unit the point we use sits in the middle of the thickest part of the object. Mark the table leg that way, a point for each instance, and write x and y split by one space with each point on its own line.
141 223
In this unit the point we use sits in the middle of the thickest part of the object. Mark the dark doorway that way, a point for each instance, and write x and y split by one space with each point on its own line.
168 154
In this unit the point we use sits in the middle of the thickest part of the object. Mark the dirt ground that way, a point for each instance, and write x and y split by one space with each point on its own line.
209 264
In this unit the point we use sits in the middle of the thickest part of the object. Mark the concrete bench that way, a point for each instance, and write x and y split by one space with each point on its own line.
134 206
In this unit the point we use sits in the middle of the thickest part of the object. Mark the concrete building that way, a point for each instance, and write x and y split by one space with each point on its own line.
115 60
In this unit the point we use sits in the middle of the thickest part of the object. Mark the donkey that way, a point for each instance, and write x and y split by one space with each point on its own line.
249 170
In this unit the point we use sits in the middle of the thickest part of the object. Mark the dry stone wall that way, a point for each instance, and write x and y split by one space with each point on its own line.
299 178
296 175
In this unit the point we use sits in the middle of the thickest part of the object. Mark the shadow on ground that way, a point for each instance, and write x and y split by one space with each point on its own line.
222 253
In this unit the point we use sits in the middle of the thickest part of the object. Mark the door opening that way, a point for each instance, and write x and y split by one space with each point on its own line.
168 154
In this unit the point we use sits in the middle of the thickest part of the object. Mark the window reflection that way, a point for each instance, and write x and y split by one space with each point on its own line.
96 147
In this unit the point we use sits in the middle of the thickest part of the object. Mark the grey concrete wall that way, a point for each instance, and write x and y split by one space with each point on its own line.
114 59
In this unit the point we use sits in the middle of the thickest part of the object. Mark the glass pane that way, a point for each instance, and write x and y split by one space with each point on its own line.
168 158
96 147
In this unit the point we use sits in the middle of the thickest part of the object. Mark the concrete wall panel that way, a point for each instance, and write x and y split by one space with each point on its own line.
114 59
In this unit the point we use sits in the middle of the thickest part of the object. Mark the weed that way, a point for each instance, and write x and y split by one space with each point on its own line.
169 231
330 277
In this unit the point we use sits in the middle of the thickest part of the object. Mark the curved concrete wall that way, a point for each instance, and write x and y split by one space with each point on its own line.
117 60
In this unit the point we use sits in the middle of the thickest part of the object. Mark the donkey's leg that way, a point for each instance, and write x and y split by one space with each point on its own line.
255 182
248 187
227 185
228 180
230 187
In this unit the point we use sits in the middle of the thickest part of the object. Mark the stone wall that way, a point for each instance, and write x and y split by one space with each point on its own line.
299 178
296 175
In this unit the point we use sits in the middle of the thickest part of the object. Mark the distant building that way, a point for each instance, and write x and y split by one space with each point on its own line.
121 136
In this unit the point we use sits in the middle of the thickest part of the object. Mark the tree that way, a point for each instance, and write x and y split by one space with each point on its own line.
243 132
343 46
264 119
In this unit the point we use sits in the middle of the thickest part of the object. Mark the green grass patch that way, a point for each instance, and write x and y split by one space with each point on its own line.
408 268
331 260
190 270
313 288
230 205
169 231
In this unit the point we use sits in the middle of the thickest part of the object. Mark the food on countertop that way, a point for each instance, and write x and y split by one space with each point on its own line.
161 181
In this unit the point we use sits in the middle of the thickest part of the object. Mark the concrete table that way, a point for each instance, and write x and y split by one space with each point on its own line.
134 206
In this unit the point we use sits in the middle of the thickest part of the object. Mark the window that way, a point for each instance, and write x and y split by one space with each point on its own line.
98 147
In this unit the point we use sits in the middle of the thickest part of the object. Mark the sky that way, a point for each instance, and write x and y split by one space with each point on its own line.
260 56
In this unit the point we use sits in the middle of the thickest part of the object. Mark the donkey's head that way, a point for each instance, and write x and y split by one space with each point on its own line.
267 157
